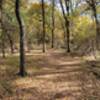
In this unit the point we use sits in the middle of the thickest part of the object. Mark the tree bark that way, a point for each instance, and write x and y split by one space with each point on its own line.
92 4
11 43
43 25
21 28
53 23
97 28
67 27
2 28
67 35
3 49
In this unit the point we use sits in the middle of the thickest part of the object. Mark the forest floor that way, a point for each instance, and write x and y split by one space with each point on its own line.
51 76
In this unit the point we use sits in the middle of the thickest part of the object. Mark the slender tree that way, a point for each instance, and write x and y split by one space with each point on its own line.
53 23
67 35
10 42
68 23
43 25
2 29
92 4
21 28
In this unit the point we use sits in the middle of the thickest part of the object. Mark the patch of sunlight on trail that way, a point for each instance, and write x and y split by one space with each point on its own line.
69 63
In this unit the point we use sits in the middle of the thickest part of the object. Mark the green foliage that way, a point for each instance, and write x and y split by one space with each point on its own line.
83 28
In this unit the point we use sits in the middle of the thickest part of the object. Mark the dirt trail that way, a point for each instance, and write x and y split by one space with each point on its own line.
59 77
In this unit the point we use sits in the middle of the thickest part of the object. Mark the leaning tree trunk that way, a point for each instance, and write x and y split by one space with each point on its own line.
53 23
21 28
43 25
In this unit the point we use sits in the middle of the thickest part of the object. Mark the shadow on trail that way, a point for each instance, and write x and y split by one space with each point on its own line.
52 76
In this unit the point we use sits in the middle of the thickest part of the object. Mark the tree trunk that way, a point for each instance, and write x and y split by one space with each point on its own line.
92 4
53 23
21 28
67 35
2 28
11 43
43 25
3 49
97 28
67 27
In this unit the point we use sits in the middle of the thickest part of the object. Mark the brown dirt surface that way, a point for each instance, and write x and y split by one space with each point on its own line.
51 76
